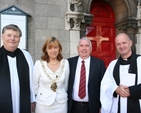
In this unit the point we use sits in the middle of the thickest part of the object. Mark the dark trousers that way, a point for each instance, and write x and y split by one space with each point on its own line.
80 107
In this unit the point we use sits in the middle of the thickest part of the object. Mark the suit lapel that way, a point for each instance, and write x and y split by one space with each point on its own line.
92 68
73 65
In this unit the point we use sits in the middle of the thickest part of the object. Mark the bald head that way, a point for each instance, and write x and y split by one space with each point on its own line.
121 36
123 44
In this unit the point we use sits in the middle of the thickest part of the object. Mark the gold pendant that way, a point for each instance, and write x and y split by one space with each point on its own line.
53 87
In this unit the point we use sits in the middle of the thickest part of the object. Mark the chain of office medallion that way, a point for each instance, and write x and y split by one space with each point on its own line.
62 67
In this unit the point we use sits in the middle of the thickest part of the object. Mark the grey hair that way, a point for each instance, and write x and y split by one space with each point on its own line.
13 27
87 39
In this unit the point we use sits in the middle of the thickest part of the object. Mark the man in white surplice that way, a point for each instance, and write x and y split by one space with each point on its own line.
121 84
16 91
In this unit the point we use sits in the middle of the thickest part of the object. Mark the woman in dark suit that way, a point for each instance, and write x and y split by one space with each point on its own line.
94 71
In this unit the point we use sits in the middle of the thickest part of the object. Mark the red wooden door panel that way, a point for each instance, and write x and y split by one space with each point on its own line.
102 32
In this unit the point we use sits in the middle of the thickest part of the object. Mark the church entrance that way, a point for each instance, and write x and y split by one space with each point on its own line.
102 32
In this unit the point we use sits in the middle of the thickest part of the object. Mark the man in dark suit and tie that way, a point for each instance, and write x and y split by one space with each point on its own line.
86 73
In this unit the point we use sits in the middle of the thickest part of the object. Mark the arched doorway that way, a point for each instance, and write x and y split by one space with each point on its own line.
102 32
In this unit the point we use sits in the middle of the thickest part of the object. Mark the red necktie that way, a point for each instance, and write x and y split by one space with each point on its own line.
82 84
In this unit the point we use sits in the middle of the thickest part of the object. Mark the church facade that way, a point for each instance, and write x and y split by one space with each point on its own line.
69 20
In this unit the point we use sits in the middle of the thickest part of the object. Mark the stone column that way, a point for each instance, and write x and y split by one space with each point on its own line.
138 35
74 18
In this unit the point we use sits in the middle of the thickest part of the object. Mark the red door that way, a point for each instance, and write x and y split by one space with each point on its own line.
102 32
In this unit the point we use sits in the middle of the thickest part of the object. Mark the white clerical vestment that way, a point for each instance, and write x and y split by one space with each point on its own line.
15 81
108 86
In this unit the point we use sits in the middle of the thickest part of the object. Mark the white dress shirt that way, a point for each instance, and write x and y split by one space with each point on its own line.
77 80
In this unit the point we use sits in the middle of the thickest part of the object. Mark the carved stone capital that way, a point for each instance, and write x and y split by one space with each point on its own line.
74 19
124 27
88 18
125 24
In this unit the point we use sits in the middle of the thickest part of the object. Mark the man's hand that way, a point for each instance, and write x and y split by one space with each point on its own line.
123 91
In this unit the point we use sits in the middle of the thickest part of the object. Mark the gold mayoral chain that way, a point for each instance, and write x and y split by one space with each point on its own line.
54 84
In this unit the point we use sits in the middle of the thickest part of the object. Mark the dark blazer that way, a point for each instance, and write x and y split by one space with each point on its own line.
96 72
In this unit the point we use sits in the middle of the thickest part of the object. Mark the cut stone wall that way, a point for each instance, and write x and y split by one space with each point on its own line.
47 19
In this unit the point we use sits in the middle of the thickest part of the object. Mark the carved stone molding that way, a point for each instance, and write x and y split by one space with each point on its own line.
76 5
125 24
74 19
88 18
138 12
124 27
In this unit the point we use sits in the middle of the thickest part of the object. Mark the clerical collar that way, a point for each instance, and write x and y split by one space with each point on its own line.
11 54
125 61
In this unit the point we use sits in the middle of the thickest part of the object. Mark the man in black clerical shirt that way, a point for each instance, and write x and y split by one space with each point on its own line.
121 84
